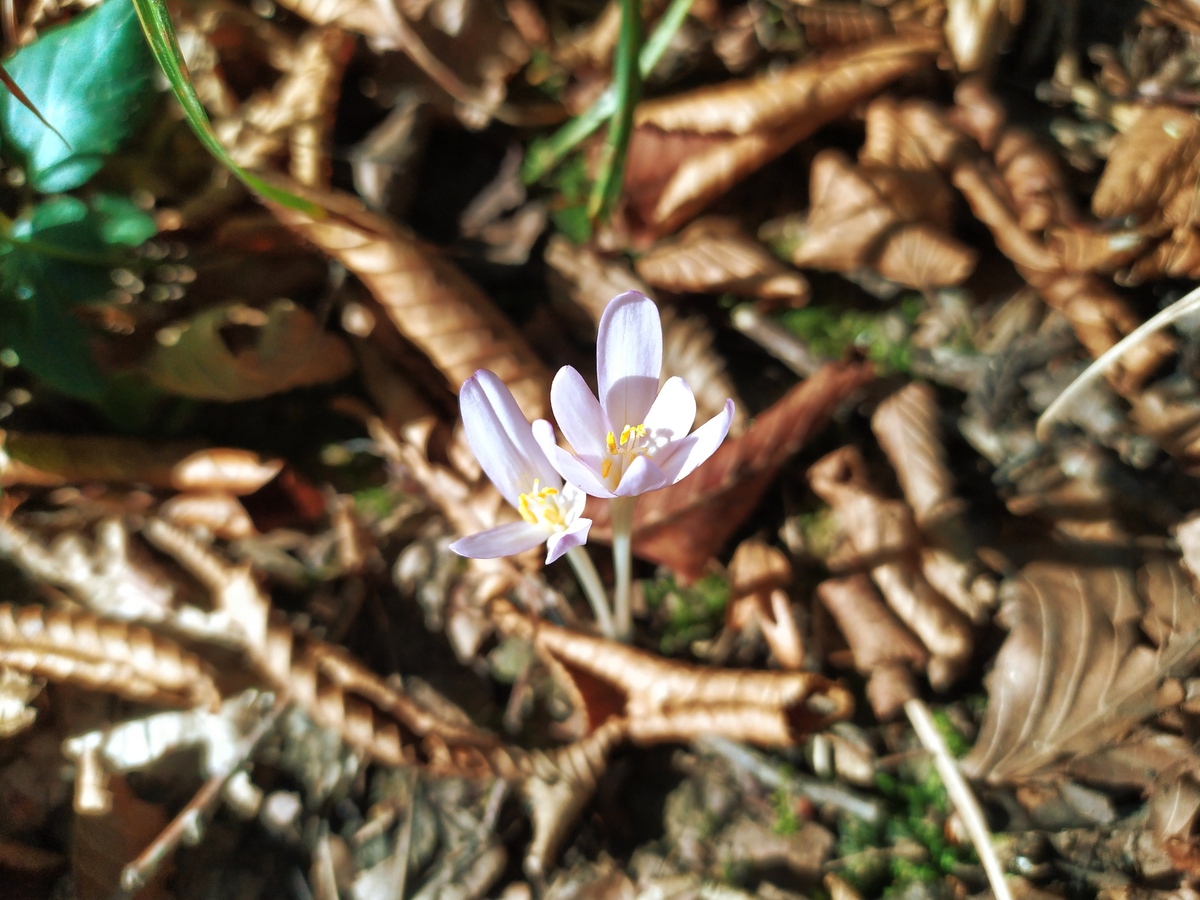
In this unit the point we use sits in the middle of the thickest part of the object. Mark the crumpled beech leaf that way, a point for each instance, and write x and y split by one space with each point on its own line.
893 221
759 578
431 303
685 525
52 460
714 255
881 537
882 648
16 690
103 655
235 352
1046 705
665 700
689 149
1151 176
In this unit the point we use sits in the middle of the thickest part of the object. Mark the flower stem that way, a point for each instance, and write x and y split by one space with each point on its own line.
593 587
622 545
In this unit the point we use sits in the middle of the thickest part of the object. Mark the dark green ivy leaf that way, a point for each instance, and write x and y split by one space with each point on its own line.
90 78
59 255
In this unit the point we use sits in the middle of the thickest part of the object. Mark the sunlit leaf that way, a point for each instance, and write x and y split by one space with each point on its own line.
92 79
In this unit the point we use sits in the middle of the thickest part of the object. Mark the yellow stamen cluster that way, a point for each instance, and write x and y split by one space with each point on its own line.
631 436
540 507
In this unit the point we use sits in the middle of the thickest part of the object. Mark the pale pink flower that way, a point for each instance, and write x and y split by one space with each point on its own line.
500 435
635 438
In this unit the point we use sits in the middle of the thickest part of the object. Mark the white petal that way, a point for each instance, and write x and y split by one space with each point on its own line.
573 469
673 412
578 411
628 358
503 540
561 541
500 437
682 459
641 476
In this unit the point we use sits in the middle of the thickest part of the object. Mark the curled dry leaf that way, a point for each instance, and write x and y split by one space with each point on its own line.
1152 176
907 428
16 690
662 700
329 685
880 535
1046 705
235 352
889 220
759 576
52 460
592 281
883 649
685 525
976 30
297 112
427 299
714 255
556 785
1024 188
689 149
468 50
217 514
103 655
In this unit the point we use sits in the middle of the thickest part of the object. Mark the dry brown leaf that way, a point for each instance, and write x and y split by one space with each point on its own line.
592 281
759 576
297 112
663 700
427 299
235 352
883 649
329 685
684 525
881 536
1002 199
841 24
1046 705
16 690
714 255
52 460
976 30
220 515
887 219
689 149
103 655
468 50
556 785
906 426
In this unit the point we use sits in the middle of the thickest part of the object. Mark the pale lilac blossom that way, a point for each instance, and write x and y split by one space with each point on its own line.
500 436
635 437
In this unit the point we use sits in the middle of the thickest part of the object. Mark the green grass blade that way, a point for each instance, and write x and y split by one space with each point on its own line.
543 157
160 35
627 84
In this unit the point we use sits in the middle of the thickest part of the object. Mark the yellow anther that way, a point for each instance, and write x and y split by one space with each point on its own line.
611 441
605 466
625 435
536 507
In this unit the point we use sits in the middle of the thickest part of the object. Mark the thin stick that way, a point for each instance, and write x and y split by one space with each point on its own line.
593 589
135 875
960 794
1183 306
622 548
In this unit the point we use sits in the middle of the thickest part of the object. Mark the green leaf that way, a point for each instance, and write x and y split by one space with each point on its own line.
91 78
55 257
160 34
